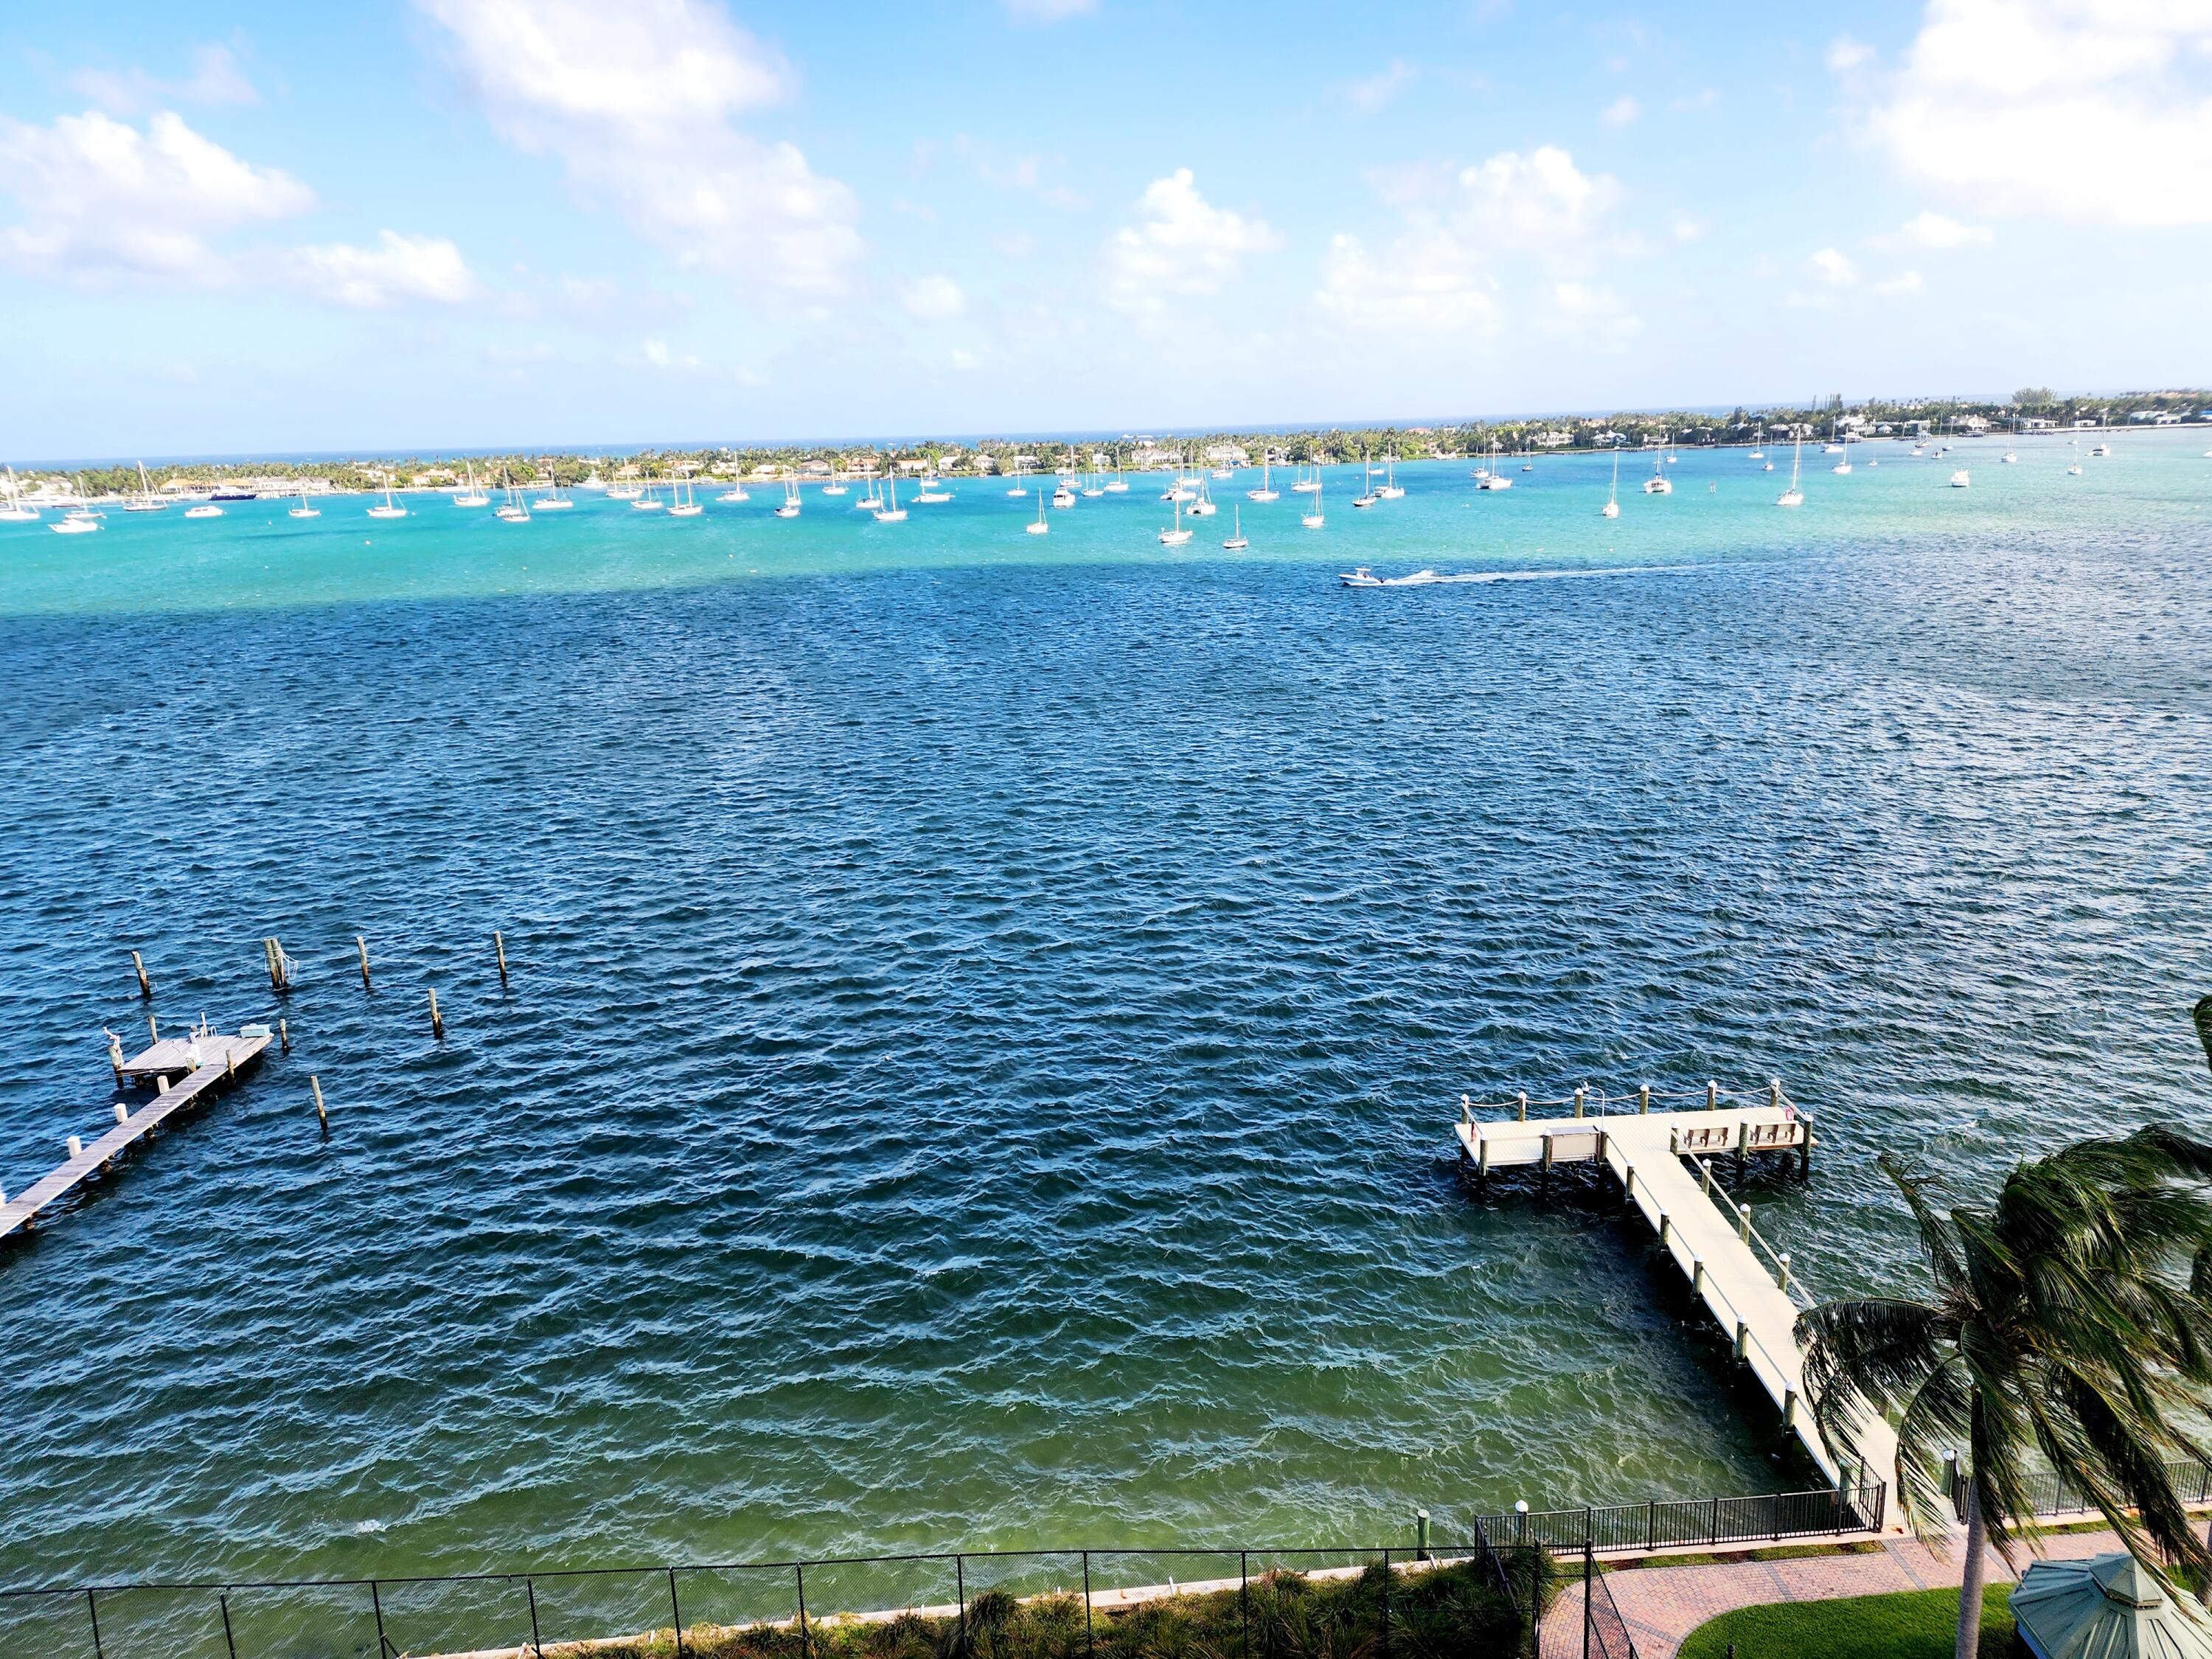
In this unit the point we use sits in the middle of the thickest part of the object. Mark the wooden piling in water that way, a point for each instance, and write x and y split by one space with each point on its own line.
499 945
322 1117
283 1038
145 985
437 1020
361 945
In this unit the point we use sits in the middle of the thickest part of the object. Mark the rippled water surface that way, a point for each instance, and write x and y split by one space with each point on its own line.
988 1010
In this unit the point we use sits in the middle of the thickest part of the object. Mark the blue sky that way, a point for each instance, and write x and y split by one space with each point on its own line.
241 227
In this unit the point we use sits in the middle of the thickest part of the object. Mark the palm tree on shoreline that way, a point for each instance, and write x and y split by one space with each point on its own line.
2072 1322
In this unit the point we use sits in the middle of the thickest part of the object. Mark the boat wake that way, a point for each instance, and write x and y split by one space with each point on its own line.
1430 578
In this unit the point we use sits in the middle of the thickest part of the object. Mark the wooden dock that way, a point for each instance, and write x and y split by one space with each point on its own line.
1664 1162
184 1070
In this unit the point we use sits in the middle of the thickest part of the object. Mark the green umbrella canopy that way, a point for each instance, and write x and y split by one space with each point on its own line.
2106 1607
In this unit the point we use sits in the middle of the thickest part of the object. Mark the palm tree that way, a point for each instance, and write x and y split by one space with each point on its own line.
2071 1321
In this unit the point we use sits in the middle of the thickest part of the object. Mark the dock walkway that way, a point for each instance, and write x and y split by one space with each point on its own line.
220 1059
1706 1235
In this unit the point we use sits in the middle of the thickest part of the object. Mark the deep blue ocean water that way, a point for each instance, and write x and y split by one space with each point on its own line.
988 1011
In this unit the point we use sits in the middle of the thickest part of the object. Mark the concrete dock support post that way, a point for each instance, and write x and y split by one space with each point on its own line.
145 986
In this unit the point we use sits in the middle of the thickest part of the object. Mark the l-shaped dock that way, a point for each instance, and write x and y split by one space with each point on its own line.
184 1071
1706 1233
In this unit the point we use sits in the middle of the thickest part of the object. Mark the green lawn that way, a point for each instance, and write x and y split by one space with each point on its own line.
1916 1625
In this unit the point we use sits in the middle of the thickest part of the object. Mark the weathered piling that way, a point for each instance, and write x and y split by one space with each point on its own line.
361 945
322 1116
145 985
499 945
437 1020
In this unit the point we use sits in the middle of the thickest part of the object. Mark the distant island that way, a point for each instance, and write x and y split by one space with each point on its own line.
2031 408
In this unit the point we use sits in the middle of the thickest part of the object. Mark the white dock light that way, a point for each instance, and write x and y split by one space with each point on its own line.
77 1146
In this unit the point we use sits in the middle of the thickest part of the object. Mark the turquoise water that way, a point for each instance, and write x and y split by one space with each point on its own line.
988 1009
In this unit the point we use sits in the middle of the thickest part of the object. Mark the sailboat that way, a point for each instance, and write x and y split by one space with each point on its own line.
1038 527
790 508
145 502
1267 491
930 493
1793 496
1309 486
1494 476
1238 540
1201 506
1392 490
2074 470
1092 488
1843 449
1612 508
735 494
12 509
684 500
1120 485
836 486
79 520
648 501
892 512
1757 443
391 509
1658 484
1178 536
871 502
1019 490
552 501
1313 520
303 511
513 509
469 494
1367 497
2010 456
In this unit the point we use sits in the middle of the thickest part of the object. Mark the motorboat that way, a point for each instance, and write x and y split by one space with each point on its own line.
1959 480
1063 497
205 510
1359 576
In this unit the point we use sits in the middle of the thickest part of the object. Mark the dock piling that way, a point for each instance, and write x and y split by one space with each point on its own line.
76 1145
122 1113
437 1020
1743 1339
145 985
1644 1098
499 945
361 945
322 1116
1712 1096
283 1038
1743 1223
1580 1091
115 1056
1524 1105
153 1029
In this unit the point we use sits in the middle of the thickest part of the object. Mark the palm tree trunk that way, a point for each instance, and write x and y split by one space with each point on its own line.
1970 1583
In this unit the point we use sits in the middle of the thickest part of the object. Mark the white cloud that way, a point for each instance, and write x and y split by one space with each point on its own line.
1048 11
1906 281
1183 245
1437 275
1592 314
2095 111
640 107
1621 111
657 355
1933 230
1427 281
1845 54
934 298
1372 92
400 267
1832 268
216 78
98 197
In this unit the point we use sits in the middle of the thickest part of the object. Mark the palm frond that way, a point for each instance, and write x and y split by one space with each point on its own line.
1935 1242
2202 1013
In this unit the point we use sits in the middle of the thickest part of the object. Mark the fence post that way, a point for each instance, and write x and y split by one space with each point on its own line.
530 1589
1713 1534
1243 1598
229 1645
92 1606
1590 1525
376 1605
806 1636
960 1589
1386 1604
1589 1588
676 1612
1090 1641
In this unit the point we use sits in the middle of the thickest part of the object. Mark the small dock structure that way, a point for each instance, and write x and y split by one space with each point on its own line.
1662 1160
183 1072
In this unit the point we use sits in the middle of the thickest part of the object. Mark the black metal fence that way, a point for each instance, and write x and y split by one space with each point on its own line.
1605 1632
527 1612
1663 1524
2051 1495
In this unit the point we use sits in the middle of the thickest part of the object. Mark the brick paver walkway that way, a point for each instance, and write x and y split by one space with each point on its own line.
1662 1605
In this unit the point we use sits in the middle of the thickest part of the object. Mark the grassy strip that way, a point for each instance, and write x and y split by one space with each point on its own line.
1914 1624
1453 1612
